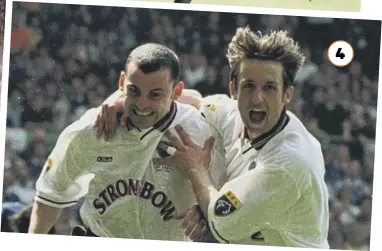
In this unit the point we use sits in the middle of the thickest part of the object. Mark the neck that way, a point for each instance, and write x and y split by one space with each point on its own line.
258 140
253 135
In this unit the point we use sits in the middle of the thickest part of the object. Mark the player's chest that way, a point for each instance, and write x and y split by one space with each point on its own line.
132 163
241 158
123 157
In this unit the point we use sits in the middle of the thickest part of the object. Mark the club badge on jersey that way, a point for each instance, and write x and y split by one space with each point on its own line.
49 164
211 107
227 204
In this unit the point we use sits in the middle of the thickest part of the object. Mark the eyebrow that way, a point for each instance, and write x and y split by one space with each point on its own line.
247 80
157 89
153 90
271 82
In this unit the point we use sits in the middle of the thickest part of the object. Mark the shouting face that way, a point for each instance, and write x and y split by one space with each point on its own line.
260 94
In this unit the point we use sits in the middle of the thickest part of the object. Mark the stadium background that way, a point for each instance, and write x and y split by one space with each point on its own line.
66 59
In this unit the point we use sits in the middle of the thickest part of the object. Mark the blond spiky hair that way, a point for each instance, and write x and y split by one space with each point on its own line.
277 46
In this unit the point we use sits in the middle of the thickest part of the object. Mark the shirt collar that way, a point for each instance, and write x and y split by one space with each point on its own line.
260 141
161 125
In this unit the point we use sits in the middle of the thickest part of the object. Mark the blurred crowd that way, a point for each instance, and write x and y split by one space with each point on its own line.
66 59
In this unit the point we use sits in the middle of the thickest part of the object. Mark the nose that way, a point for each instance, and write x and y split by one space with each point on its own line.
142 102
257 96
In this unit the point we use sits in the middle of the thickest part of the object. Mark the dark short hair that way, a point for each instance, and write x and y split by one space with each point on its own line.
276 46
153 57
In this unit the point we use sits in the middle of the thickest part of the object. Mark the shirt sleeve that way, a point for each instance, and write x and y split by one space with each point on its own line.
213 108
216 109
258 199
64 179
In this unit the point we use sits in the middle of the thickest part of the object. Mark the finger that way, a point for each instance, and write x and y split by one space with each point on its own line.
193 224
188 218
102 115
124 119
103 119
99 129
174 139
113 124
106 122
197 233
191 227
109 123
184 135
180 215
101 124
208 144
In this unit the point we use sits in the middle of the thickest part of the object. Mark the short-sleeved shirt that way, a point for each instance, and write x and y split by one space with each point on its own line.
125 195
276 194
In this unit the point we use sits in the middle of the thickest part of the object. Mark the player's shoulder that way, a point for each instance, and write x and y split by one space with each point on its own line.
296 151
218 109
297 137
216 98
78 132
192 121
188 115
218 102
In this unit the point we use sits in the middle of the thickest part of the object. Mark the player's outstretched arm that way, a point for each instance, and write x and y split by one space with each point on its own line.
43 218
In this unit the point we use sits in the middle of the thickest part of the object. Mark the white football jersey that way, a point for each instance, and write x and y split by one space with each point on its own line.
218 163
276 194
126 196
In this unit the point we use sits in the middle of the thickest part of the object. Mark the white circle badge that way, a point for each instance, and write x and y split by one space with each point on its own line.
340 53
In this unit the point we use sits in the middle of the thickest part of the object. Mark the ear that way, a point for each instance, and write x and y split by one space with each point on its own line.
232 89
288 95
178 89
121 82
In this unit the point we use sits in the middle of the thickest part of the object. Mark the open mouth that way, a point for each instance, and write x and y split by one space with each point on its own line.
256 115
142 114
